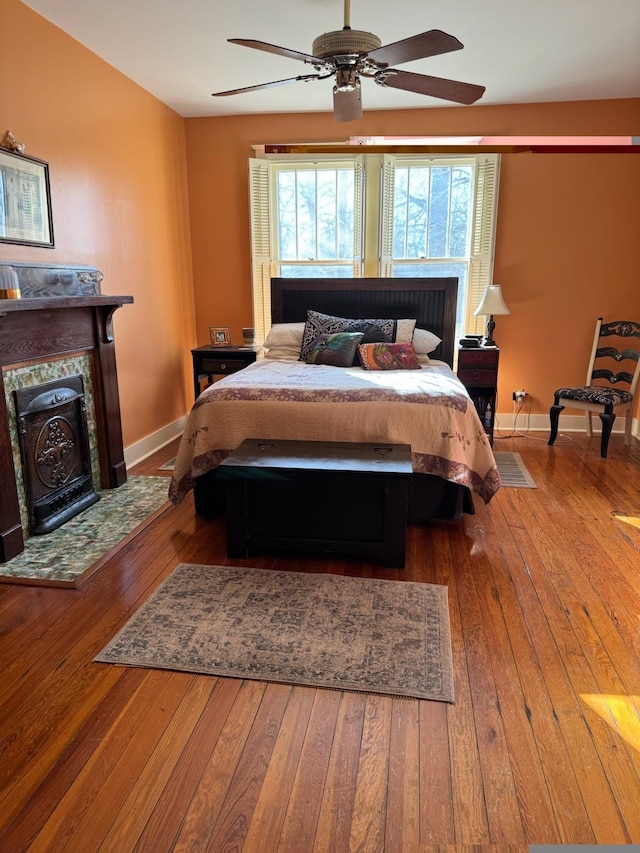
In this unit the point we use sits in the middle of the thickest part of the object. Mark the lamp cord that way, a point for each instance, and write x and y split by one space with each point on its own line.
515 432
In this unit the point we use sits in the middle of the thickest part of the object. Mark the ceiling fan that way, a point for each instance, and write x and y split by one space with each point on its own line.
349 54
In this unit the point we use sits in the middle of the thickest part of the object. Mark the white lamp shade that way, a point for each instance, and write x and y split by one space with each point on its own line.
492 301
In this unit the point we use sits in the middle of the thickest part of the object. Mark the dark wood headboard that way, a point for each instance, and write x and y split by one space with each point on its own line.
432 301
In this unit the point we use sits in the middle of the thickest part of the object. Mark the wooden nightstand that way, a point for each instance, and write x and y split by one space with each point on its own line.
478 372
219 361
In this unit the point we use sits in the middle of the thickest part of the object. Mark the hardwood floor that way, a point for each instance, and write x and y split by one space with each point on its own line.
541 746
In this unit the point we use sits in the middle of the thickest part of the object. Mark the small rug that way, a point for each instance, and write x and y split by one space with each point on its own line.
513 472
73 552
318 630
168 466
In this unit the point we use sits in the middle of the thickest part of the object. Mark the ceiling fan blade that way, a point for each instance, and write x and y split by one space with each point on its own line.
417 47
435 87
281 51
304 78
347 106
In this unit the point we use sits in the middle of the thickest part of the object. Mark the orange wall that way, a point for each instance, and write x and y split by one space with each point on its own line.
117 166
567 238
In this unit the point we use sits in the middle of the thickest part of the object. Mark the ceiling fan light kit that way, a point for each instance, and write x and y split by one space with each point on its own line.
347 54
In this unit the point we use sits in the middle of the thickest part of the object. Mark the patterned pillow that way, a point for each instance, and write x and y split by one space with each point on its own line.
318 324
338 350
388 357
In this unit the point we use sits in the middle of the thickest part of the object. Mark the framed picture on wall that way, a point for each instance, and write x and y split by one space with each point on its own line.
25 200
220 336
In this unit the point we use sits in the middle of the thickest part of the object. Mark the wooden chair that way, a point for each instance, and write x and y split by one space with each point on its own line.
605 392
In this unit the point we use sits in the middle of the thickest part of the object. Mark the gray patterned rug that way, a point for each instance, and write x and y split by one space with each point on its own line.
320 630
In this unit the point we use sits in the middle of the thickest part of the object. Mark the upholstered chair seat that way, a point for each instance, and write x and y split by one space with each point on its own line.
595 394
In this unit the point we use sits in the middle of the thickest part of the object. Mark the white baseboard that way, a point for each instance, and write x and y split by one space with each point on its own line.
139 451
505 422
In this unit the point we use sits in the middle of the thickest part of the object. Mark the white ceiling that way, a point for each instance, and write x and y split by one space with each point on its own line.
523 51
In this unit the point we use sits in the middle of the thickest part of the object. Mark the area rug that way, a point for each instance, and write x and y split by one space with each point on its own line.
73 552
513 472
319 630
168 466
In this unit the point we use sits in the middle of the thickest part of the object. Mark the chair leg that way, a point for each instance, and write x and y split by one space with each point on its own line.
554 415
607 419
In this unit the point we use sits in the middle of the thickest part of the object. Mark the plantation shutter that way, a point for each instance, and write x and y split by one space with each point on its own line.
358 205
386 215
482 238
259 202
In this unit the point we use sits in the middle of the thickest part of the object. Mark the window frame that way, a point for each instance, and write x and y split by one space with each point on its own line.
373 237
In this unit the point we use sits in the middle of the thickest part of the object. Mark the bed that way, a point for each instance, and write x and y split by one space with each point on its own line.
283 397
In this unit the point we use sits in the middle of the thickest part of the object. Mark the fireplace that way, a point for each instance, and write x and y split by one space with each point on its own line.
54 449
61 319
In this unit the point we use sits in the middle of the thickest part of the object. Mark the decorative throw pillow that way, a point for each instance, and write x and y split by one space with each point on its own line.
388 357
337 350
371 334
424 341
317 324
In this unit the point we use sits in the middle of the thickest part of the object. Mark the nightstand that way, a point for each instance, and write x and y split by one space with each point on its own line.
219 361
478 372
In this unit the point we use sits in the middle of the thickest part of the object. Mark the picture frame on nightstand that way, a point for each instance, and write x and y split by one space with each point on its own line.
220 336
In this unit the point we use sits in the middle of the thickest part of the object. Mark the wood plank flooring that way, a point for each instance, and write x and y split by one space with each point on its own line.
541 746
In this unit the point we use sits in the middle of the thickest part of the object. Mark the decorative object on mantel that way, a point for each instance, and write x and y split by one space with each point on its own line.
492 303
9 283
27 217
317 629
11 143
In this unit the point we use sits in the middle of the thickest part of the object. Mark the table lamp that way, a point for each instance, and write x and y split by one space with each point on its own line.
492 303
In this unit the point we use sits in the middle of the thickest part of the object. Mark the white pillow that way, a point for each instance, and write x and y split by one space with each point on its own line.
425 342
285 334
284 341
283 353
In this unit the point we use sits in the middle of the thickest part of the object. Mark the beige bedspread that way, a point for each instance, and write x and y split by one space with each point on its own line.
428 409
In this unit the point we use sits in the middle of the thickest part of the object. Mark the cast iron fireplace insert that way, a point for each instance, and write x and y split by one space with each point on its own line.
54 446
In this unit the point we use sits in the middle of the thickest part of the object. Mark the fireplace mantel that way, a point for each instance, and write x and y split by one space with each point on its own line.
62 312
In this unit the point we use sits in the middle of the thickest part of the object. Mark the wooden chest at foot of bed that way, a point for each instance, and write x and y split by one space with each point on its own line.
339 497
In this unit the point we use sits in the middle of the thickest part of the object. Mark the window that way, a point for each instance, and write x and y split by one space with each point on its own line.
389 216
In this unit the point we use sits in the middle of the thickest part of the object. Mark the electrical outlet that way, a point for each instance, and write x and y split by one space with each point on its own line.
519 395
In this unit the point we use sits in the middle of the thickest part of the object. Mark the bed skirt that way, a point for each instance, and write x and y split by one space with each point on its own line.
430 498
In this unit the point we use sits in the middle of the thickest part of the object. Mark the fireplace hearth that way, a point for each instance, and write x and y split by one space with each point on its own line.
54 447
